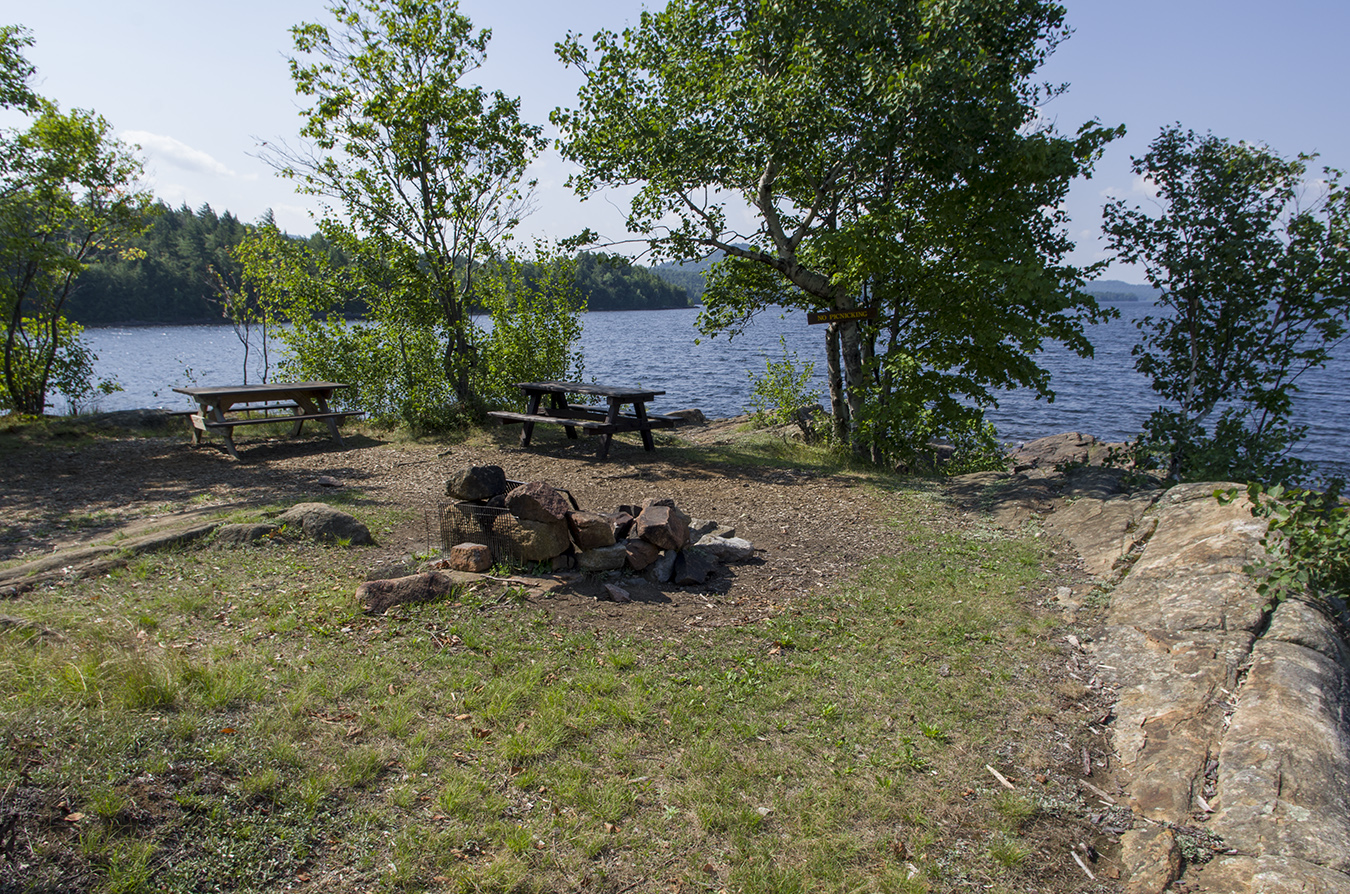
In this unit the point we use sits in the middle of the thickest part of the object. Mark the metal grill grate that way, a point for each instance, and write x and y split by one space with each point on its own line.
494 527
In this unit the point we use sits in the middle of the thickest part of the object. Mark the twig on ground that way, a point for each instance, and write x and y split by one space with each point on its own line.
1098 792
1001 778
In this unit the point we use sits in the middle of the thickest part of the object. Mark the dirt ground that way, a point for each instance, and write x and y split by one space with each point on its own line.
808 529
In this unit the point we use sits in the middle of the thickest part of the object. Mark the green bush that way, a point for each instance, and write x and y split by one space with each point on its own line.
1307 542
783 388
72 370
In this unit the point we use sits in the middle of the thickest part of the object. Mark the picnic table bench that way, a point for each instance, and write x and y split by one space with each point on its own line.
225 407
604 421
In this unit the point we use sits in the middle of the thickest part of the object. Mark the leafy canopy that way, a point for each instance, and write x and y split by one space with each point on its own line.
888 155
426 173
1254 265
68 189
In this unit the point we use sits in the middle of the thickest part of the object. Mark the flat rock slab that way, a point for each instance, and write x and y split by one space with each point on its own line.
1266 874
143 536
1104 530
1180 628
378 596
1289 795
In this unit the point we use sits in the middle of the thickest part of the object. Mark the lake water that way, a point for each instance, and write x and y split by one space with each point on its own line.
662 350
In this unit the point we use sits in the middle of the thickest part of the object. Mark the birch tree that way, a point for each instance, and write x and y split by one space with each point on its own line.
867 139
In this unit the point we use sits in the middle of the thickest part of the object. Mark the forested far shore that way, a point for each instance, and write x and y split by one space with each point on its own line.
166 275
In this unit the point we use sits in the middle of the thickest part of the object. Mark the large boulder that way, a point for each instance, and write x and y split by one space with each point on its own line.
476 483
538 502
322 522
536 541
662 524
691 416
605 558
590 530
377 596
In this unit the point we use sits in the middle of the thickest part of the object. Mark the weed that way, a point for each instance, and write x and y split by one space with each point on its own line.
1008 852
1015 808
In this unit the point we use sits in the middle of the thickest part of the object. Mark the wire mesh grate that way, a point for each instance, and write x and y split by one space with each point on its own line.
494 527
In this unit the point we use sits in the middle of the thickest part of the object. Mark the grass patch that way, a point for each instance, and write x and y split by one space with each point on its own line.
247 729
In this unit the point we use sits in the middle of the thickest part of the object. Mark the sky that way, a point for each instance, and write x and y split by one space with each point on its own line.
201 86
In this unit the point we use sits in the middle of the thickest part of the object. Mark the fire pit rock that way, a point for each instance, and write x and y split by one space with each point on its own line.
536 522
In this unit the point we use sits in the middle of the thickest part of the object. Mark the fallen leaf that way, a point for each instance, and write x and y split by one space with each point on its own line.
74 817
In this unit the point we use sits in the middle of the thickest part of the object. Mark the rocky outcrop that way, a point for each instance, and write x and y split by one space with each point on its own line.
1178 633
1071 448
1228 719
1290 794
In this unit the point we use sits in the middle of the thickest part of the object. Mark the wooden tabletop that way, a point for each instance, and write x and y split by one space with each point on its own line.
620 392
274 389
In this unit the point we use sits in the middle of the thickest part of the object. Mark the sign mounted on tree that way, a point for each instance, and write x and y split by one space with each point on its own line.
839 316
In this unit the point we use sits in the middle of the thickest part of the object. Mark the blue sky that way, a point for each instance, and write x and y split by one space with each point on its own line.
199 85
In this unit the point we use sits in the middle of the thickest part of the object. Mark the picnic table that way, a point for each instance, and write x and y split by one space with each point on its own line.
604 421
225 407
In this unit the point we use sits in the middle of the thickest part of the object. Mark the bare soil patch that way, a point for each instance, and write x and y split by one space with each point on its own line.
809 528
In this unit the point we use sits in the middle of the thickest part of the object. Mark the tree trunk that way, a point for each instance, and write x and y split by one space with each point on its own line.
838 404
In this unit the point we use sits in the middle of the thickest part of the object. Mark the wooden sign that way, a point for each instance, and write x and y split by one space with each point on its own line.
838 316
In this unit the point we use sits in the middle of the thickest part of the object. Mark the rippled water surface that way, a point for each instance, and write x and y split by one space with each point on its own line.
662 350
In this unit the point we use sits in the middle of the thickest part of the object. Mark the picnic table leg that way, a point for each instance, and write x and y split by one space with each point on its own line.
330 421
610 419
228 436
559 402
640 410
527 429
218 413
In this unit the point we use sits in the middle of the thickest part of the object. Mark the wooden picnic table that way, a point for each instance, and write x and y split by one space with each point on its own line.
225 407
591 418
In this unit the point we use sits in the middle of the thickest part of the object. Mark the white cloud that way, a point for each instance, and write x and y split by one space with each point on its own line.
1144 186
177 153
